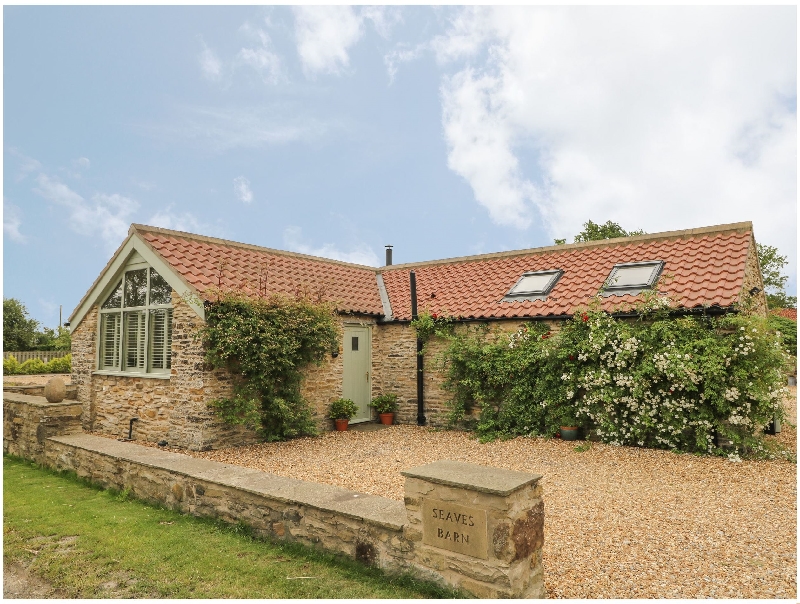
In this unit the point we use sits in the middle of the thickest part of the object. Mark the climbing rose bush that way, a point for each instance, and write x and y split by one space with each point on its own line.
681 383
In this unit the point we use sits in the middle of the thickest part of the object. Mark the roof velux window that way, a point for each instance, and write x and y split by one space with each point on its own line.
533 286
632 277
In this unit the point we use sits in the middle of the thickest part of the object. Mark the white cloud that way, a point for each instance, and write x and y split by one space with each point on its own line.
360 254
210 64
662 118
82 163
400 55
180 221
324 35
383 18
106 215
12 220
223 129
27 164
241 187
261 57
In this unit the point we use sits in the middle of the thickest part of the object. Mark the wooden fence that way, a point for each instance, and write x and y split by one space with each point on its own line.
45 355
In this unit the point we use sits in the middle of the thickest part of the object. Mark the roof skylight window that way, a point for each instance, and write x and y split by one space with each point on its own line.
535 285
632 277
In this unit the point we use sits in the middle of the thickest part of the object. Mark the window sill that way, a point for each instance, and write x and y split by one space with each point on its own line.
131 374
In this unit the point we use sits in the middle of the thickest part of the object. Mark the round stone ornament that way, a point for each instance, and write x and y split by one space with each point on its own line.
55 390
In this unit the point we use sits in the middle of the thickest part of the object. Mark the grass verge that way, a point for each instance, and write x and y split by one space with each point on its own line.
88 542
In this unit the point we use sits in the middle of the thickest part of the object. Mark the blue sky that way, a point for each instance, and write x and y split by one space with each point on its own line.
334 131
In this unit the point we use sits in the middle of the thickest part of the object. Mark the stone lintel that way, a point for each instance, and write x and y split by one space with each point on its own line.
473 477
370 509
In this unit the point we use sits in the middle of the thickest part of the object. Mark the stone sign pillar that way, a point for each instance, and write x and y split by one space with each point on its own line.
477 528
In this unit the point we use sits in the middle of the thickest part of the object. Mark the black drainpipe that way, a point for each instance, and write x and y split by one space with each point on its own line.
421 421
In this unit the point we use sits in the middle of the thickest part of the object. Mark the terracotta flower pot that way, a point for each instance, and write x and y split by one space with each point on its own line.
341 424
387 419
569 433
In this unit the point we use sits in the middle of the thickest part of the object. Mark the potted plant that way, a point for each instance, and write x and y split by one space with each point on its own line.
569 426
341 410
385 405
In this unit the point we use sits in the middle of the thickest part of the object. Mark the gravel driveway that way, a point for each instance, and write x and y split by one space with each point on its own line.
619 522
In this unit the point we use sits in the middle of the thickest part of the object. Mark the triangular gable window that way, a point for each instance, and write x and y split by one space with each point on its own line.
534 285
136 324
632 278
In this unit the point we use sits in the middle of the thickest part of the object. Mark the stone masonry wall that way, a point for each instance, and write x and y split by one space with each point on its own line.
29 420
271 505
322 384
374 530
395 366
752 278
84 351
174 409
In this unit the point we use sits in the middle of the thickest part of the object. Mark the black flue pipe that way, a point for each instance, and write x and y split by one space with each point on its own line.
388 255
421 421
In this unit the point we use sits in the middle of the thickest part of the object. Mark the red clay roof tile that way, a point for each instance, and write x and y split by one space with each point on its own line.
701 267
205 262
706 269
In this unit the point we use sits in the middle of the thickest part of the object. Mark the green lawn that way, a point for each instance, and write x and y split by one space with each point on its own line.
94 543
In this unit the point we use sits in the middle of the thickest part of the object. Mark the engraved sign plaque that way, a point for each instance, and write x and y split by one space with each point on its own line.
454 527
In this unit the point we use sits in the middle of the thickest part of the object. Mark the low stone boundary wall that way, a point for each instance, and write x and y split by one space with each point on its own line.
29 420
472 527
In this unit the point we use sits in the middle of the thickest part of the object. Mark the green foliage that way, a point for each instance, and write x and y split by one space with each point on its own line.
595 232
428 325
35 366
265 343
19 330
11 365
342 408
788 331
50 339
772 264
384 403
657 381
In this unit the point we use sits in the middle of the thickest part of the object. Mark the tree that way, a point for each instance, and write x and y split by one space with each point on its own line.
772 263
596 232
19 330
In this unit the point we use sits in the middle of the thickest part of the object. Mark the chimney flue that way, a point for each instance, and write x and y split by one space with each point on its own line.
389 255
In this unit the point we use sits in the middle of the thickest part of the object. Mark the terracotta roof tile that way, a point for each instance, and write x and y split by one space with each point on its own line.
205 262
705 269
789 313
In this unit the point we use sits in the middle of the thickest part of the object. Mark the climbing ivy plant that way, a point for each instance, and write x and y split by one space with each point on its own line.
265 343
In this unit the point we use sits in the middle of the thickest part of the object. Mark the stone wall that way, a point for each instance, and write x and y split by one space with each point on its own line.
84 355
29 420
176 408
395 366
497 555
170 408
752 278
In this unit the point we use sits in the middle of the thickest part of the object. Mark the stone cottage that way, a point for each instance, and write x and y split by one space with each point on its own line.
139 369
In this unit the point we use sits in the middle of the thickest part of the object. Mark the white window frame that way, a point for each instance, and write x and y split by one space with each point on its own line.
538 294
610 289
144 368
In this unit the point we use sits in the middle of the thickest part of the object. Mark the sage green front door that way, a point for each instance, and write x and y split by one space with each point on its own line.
357 366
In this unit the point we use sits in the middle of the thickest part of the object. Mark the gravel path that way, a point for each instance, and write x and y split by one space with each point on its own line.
36 379
620 522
